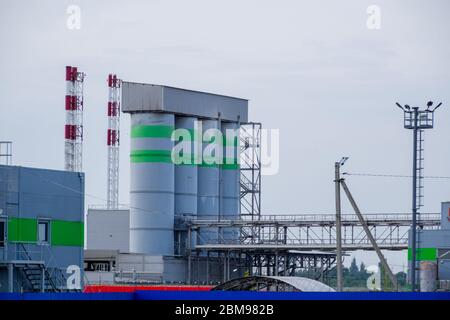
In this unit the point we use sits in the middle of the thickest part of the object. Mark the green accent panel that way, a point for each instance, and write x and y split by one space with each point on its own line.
151 156
22 230
423 254
151 131
67 233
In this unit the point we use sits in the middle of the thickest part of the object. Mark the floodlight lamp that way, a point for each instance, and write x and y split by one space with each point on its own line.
343 160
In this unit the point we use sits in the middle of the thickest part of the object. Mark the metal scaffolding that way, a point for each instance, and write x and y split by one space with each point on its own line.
250 177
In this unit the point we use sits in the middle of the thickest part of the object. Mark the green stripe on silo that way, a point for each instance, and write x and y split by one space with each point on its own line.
230 141
148 131
67 233
230 166
164 156
423 254
22 230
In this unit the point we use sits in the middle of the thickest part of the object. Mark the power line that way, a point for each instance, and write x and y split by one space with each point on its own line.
391 175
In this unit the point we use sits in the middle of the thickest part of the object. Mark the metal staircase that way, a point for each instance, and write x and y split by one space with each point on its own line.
38 276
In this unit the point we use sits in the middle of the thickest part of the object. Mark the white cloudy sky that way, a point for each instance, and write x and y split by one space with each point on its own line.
310 68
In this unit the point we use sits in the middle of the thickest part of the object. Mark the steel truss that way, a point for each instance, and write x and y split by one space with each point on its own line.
317 232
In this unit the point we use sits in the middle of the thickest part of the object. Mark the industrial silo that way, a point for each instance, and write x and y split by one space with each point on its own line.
152 184
185 174
229 207
153 109
428 276
208 182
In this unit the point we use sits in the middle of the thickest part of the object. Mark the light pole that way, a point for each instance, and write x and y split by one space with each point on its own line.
337 184
417 120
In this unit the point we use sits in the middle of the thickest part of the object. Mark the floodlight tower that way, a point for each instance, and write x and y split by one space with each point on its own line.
417 120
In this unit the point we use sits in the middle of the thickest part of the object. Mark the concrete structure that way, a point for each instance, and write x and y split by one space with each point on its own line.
41 227
108 229
434 246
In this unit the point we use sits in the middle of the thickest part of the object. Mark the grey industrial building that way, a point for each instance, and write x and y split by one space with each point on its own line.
41 228
433 252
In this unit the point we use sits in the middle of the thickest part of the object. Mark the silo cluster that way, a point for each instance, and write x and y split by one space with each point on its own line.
203 185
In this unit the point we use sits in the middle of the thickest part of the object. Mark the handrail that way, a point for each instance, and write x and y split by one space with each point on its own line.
319 217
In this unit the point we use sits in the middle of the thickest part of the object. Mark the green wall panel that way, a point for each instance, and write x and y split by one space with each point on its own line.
67 233
423 254
22 230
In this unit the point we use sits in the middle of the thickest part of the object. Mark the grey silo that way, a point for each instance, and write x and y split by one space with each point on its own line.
230 179
186 172
152 184
145 99
208 188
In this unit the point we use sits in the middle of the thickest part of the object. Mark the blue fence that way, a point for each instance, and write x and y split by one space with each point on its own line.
229 295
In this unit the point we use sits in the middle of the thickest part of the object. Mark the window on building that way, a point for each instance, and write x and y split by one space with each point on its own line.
2 233
43 231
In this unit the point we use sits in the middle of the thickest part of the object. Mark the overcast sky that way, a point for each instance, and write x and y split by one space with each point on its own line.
312 69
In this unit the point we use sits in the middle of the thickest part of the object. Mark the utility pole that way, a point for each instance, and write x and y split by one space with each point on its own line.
369 235
337 181
417 120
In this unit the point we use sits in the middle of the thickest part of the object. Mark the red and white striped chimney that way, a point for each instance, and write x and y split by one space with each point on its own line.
113 141
73 133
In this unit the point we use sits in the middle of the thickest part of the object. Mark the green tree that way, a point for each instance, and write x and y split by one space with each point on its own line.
353 267
362 268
